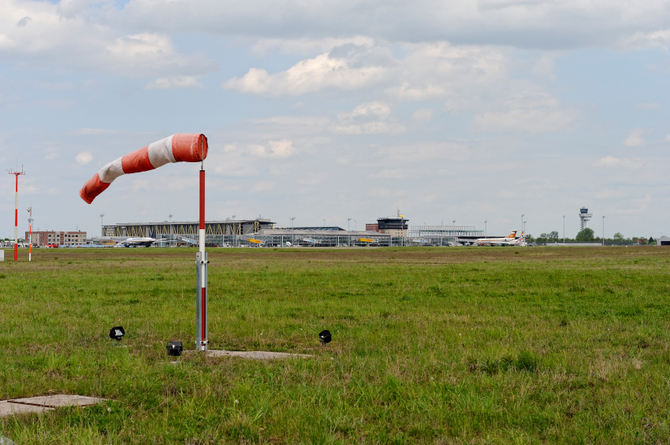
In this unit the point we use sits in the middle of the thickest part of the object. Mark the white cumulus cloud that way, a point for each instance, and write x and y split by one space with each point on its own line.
545 67
660 38
84 158
390 174
349 68
275 149
427 71
611 161
530 111
188 82
423 114
69 36
635 138
367 118
306 45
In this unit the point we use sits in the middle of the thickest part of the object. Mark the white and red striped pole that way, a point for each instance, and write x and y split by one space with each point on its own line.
16 213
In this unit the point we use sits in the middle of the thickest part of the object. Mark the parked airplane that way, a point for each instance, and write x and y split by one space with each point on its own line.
509 240
134 242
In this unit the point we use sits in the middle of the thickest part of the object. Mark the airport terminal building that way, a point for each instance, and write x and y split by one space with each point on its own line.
180 233
387 232
42 238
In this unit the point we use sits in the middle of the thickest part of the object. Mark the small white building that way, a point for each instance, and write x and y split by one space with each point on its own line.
663 241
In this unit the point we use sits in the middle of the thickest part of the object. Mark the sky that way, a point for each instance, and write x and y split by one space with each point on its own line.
339 113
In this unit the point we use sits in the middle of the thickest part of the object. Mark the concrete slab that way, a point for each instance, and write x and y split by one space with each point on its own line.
59 400
9 409
257 355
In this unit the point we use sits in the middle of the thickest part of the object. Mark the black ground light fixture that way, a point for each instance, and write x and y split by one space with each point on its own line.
174 348
117 333
325 337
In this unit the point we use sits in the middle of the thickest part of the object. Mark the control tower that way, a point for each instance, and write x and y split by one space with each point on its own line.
585 217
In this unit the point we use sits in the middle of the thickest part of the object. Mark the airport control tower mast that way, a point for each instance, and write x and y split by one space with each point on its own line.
585 217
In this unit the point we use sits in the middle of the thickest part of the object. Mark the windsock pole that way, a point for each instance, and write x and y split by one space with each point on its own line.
201 275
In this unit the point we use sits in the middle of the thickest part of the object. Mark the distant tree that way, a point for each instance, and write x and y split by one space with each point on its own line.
585 235
553 235
618 236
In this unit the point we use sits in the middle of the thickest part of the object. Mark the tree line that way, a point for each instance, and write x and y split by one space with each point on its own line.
588 235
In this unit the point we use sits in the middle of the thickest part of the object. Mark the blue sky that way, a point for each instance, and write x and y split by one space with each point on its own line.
463 110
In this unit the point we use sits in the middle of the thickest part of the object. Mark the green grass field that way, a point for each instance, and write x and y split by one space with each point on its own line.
430 345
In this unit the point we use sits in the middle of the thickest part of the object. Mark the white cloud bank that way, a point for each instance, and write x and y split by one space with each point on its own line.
564 24
66 36
428 71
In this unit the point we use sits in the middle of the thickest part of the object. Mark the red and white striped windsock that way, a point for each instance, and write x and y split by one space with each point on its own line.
187 147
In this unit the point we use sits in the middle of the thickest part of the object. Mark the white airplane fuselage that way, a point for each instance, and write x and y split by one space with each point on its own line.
136 242
509 240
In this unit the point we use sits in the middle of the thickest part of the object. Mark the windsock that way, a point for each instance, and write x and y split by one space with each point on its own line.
187 147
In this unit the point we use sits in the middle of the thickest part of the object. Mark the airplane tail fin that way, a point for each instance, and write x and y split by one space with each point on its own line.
512 234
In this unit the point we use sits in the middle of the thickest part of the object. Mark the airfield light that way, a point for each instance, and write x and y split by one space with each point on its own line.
325 337
117 333
603 230
174 348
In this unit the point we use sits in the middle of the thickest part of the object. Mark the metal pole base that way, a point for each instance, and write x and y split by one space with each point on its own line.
201 263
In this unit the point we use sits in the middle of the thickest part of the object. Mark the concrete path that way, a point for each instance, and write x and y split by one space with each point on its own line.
44 403
8 409
257 355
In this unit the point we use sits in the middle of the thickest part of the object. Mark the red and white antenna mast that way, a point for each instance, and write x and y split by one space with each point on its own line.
16 212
